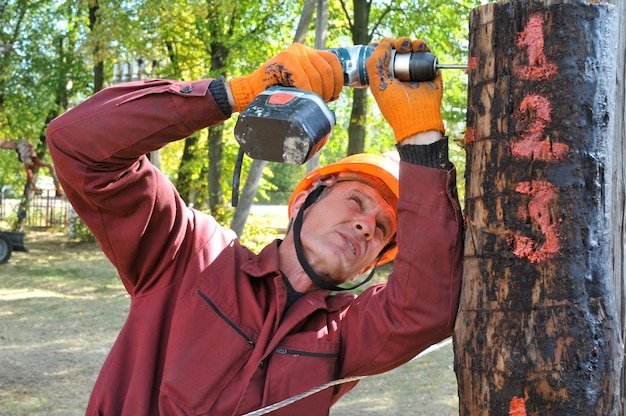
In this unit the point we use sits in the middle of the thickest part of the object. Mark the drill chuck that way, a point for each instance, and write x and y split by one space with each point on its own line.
414 66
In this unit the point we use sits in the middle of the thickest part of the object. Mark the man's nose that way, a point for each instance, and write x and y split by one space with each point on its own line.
364 224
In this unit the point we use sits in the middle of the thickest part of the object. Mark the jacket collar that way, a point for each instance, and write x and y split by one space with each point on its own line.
267 264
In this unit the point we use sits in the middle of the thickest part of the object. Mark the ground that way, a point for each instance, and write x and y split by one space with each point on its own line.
61 307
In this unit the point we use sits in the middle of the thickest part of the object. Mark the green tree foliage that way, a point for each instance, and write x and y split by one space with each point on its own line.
39 52
52 47
443 24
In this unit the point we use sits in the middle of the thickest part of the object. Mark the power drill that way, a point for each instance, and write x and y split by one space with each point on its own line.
288 125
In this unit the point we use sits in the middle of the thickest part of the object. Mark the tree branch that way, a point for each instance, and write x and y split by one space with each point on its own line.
345 12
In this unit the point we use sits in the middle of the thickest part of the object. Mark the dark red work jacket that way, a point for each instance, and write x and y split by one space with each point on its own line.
208 332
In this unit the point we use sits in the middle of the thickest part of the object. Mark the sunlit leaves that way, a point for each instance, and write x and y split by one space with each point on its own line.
50 65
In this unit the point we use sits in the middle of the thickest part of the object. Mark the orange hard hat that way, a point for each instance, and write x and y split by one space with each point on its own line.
381 172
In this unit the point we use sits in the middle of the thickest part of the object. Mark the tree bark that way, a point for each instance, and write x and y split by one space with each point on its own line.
255 173
321 35
184 179
216 149
619 180
98 67
358 116
537 331
215 141
305 20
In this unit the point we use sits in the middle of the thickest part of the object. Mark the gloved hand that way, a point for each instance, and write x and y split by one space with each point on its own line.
408 107
297 66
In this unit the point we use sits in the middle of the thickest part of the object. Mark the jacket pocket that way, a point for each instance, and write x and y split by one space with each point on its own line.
301 362
207 349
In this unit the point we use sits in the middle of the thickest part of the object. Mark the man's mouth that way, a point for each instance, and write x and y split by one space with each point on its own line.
351 245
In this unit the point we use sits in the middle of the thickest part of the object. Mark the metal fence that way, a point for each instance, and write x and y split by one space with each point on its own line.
45 210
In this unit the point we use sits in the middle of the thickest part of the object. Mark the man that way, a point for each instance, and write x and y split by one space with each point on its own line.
216 329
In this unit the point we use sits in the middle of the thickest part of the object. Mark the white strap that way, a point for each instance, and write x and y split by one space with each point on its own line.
292 399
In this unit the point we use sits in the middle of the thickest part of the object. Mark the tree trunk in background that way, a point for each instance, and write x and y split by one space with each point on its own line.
98 67
255 173
216 146
538 331
184 178
358 116
219 55
321 34
41 147
305 20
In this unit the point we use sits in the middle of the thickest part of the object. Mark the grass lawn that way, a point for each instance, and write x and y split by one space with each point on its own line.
62 305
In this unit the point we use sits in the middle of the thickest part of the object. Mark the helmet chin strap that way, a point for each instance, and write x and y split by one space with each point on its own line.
297 228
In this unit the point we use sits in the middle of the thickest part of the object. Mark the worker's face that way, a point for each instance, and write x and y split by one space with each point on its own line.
345 231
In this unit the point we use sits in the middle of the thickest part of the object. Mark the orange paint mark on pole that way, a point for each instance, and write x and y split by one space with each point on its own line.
538 68
470 135
472 63
533 144
517 407
543 193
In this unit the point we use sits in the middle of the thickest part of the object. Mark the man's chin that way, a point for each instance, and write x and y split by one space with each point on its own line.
330 278
333 280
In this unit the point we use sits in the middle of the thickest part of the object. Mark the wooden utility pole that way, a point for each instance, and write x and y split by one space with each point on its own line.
538 330
619 183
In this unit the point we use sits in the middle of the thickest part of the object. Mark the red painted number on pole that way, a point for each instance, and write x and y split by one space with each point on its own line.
533 144
538 68
541 192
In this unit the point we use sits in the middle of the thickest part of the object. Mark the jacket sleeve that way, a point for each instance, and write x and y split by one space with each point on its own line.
388 324
99 149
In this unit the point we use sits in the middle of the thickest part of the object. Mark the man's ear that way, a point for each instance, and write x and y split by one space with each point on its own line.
298 201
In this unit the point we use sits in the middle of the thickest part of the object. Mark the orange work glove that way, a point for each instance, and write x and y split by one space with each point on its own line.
408 107
297 66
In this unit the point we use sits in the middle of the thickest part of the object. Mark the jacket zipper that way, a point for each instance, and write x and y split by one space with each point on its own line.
285 351
225 318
